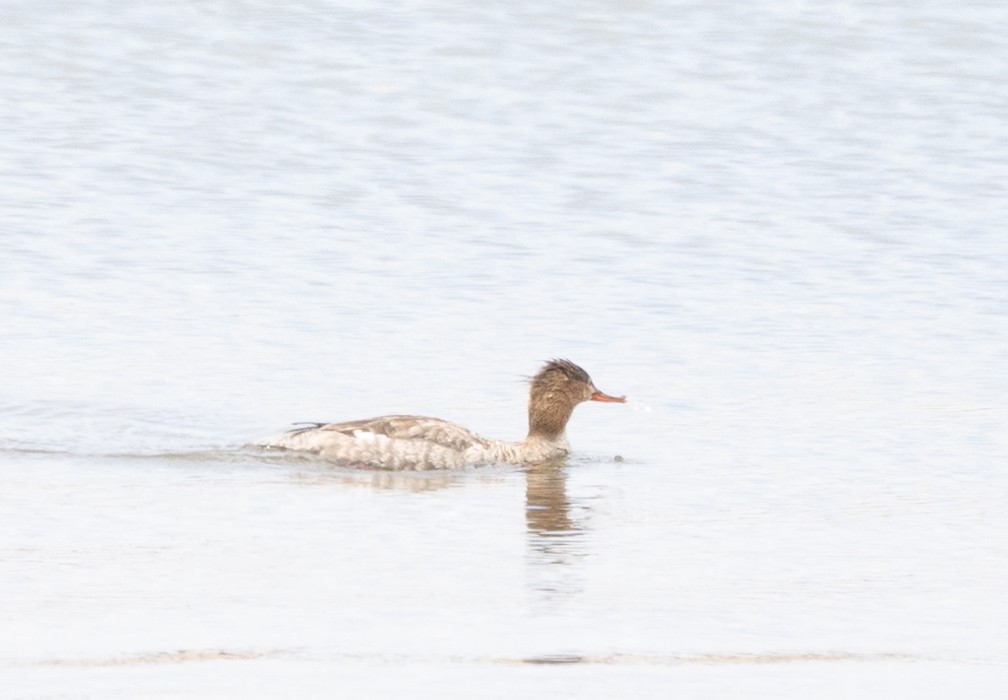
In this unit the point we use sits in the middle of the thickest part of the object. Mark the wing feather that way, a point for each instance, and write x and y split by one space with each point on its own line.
435 430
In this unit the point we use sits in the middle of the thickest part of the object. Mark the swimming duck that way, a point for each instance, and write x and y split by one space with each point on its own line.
418 442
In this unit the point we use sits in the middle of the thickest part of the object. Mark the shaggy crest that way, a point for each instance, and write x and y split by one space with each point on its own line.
570 370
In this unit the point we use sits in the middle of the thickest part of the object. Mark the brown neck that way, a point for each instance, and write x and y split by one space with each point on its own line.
548 419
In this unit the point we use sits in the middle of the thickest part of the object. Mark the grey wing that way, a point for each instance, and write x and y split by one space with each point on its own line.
435 430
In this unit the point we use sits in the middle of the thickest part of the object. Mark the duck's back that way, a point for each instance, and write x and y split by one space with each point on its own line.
388 442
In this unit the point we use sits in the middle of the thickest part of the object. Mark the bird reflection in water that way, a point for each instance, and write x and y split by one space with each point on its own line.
554 533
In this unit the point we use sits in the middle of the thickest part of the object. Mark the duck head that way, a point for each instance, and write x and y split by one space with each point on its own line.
558 387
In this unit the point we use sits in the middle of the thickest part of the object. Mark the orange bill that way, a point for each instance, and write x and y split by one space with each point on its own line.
599 396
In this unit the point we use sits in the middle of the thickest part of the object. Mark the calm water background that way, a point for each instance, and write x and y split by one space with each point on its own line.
779 227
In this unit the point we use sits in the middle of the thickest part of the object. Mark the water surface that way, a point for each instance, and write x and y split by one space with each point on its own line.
778 229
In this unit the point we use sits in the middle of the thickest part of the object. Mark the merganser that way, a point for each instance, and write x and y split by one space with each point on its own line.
418 443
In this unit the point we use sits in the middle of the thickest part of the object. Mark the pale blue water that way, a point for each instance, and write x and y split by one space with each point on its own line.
778 228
